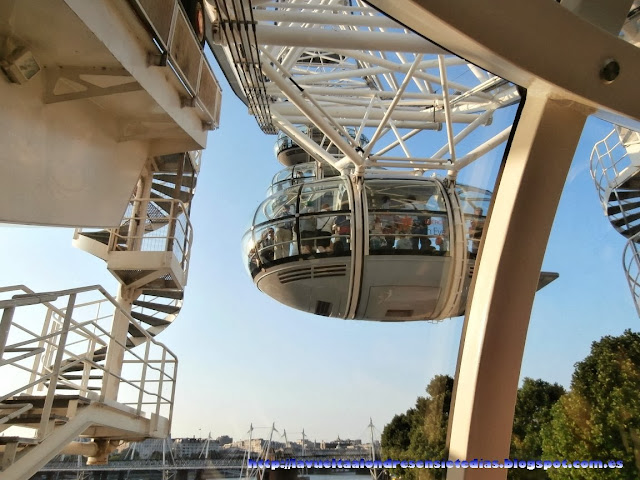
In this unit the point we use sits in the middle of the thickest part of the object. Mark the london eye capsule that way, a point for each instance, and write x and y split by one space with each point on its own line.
372 248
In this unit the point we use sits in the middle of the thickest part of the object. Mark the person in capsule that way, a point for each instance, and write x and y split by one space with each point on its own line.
284 234
475 231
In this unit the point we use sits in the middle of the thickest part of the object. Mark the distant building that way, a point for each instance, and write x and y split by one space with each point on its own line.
340 443
255 445
224 439
188 447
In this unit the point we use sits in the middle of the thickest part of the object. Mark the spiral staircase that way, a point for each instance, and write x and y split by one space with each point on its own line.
81 369
615 168
110 378
149 252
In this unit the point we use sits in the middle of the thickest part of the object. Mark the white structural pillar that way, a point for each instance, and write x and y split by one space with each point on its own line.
511 256
117 344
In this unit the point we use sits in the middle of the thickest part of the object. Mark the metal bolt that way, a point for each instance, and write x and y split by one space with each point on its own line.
610 71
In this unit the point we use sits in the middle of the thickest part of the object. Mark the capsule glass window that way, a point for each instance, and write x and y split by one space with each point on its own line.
280 205
407 217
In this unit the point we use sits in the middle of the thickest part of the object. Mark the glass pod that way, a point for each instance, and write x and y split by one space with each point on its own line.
384 249
289 153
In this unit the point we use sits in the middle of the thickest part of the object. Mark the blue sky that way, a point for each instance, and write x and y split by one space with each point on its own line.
245 359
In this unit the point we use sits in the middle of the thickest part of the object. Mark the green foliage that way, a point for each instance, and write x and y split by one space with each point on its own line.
533 410
421 432
600 418
395 436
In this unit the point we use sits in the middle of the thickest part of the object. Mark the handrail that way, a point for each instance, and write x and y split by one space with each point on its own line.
177 239
631 265
63 293
21 408
178 43
56 358
610 160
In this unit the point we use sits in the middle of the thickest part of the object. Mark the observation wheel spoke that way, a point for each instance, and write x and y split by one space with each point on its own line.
352 73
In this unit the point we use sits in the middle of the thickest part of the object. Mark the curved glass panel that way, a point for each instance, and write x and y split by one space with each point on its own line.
276 206
304 170
321 231
407 217
282 175
284 142
249 254
265 239
314 220
284 245
295 175
474 203
330 195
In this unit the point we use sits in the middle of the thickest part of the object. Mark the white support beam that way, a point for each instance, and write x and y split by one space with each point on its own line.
447 108
309 146
334 39
319 18
483 149
507 274
366 92
379 70
294 95
390 110
514 49
356 121
465 132
396 114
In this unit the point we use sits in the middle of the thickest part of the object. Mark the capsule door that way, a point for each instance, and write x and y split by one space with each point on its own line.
408 250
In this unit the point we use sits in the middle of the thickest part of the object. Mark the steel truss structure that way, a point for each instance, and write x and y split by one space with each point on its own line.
334 64
337 64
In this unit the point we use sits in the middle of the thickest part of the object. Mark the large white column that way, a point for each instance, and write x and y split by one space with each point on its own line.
511 257
116 347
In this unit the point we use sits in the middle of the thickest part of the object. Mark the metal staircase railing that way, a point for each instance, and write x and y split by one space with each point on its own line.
611 164
178 47
151 226
62 352
615 163
170 230
98 348
631 265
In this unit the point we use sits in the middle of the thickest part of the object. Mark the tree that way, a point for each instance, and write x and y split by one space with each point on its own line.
436 419
396 435
533 410
420 433
600 418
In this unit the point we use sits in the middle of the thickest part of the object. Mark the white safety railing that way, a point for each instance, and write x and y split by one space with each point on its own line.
151 225
68 349
611 163
631 265
181 50
170 233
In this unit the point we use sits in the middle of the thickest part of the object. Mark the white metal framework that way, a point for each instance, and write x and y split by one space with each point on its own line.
113 97
328 63
337 64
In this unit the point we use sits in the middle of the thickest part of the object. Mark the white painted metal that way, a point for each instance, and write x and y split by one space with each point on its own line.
505 280
503 37
331 65
509 42
77 324
301 37
531 183
77 134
